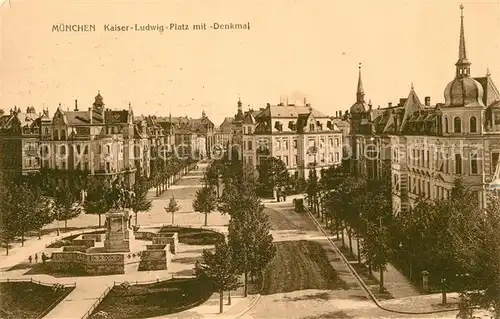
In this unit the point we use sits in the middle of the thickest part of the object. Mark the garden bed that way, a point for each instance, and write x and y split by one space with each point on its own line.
66 241
151 300
194 236
21 300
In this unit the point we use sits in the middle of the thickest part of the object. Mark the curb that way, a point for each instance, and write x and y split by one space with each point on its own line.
252 304
362 283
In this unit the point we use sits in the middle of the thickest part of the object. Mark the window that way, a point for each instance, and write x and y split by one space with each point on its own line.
285 144
278 144
322 158
63 134
46 131
337 157
285 160
446 125
330 142
458 164
457 125
295 160
56 135
494 161
330 157
294 144
473 163
250 160
337 142
473 124
497 118
311 142
62 150
428 159
249 145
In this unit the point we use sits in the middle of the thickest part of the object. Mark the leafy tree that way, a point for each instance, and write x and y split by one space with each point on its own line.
172 208
66 207
205 201
272 174
140 202
96 200
487 259
249 236
217 268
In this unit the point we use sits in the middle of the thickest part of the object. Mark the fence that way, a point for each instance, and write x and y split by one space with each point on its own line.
97 302
38 282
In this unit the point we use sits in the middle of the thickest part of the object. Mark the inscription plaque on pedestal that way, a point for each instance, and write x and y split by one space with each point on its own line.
117 231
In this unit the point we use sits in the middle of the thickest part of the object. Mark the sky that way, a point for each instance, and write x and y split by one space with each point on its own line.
298 48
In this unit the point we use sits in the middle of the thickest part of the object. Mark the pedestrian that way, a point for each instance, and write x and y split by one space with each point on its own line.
44 258
30 259
36 258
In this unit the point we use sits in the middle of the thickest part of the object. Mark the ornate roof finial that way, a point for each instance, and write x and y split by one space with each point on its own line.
488 71
412 85
463 65
360 93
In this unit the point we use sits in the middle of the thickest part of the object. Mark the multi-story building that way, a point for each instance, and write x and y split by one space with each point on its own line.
422 148
99 141
302 137
19 141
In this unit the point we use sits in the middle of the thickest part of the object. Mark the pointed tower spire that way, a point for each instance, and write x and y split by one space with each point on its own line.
412 87
360 93
463 65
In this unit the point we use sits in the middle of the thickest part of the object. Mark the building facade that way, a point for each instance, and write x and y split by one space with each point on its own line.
302 137
422 147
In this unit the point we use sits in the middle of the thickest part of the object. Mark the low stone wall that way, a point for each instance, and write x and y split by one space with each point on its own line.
83 242
155 257
144 235
167 239
92 264
95 237
75 248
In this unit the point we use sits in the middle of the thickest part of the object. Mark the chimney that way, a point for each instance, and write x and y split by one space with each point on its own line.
305 100
90 115
76 105
427 101
268 104
389 104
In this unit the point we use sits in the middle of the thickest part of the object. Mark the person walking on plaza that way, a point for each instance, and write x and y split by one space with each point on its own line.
36 258
30 259
44 258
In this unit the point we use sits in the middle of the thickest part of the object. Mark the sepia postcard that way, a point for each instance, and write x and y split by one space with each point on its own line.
249 159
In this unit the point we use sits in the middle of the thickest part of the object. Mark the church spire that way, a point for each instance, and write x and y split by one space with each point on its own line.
360 93
463 65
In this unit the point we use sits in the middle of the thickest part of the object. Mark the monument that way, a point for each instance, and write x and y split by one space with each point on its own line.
118 233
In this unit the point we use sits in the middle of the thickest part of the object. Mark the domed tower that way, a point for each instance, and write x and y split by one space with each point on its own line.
463 90
360 105
98 103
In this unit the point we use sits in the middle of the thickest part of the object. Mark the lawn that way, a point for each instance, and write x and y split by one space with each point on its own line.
194 236
300 265
158 299
19 300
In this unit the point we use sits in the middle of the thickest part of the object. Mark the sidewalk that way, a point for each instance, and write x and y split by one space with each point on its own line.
395 282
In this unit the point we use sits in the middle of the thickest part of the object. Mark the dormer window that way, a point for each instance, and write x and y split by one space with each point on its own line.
311 127
292 126
278 126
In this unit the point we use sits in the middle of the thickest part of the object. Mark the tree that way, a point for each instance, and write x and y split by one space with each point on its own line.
487 260
249 236
272 174
172 208
217 268
96 200
140 202
66 207
205 201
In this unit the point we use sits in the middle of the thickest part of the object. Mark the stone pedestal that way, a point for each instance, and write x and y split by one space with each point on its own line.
117 232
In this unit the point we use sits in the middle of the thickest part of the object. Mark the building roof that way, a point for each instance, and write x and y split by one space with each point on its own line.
289 111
